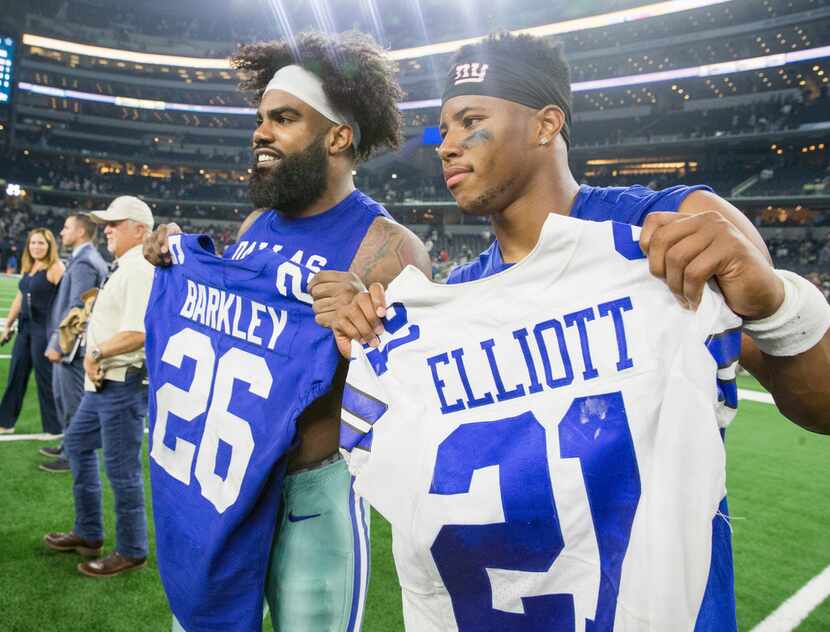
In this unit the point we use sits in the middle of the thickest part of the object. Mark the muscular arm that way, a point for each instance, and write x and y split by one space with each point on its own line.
800 385
387 249
701 201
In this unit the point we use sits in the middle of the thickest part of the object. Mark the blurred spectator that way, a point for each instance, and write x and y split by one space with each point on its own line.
42 270
85 270
11 262
111 413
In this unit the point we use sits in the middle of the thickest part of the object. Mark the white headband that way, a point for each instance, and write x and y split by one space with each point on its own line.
308 87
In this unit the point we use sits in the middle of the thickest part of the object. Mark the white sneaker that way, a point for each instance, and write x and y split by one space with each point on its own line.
6 430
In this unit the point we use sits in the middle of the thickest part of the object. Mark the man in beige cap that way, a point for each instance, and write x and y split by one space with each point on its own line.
111 413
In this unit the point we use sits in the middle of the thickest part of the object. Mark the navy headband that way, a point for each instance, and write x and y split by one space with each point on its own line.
511 80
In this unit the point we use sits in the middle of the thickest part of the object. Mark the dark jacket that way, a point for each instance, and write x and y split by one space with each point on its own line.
85 270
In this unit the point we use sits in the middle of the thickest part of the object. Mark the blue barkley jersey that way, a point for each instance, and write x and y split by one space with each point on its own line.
546 442
233 358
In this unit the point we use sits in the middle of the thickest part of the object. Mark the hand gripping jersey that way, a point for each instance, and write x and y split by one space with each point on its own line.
545 442
232 362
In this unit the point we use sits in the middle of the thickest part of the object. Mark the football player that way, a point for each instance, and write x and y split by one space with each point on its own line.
506 130
324 103
492 136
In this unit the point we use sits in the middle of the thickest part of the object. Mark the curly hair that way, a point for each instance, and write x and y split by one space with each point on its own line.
357 78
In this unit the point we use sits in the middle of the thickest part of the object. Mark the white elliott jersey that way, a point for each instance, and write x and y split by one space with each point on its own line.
546 441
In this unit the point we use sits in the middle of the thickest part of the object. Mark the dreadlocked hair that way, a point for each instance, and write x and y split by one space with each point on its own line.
357 79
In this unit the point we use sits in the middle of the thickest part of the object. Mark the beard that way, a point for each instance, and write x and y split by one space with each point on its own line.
294 185
486 202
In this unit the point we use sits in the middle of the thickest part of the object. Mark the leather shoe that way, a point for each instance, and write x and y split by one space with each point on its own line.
53 451
73 542
58 466
112 564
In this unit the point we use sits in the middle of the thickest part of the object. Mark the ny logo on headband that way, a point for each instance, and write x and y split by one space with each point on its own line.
470 73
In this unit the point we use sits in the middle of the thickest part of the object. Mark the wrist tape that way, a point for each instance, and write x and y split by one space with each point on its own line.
798 325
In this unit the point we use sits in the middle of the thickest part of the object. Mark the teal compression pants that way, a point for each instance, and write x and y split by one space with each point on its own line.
319 568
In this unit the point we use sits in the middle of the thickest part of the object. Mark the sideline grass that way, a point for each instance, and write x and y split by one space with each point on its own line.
43 591
777 478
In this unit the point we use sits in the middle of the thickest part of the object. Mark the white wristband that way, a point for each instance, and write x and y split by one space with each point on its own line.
798 325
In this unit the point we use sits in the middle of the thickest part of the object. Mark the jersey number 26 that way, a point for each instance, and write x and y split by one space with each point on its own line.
234 365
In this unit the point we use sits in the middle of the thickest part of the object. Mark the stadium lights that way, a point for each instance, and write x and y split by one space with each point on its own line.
708 70
123 55
556 28
129 102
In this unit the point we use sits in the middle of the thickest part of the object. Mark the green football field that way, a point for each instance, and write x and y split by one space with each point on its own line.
779 492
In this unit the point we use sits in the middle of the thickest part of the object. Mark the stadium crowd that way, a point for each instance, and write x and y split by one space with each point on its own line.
808 254
226 184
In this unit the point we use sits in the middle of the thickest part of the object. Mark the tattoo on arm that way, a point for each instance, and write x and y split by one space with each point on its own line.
386 250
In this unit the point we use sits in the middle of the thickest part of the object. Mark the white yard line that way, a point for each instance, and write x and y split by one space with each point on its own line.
28 437
35 437
789 615
742 393
755 396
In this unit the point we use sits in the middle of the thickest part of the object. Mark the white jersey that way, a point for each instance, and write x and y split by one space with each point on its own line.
545 442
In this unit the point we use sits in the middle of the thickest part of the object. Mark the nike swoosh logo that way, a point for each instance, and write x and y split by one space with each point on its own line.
293 518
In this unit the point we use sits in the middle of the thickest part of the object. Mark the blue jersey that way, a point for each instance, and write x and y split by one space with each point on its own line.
327 241
233 359
631 205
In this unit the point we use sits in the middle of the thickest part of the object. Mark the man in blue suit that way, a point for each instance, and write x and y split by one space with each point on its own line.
85 269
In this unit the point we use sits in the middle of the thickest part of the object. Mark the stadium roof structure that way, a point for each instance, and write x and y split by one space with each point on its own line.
633 14
707 70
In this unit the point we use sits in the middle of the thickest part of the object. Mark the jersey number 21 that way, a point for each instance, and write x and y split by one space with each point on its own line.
595 431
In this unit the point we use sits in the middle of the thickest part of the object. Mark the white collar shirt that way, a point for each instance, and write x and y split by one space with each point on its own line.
119 307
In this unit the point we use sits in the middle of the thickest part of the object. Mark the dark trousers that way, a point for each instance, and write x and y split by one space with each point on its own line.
68 388
112 419
29 347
